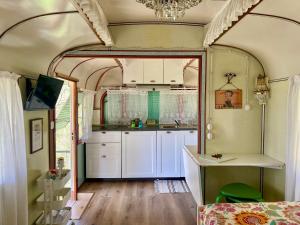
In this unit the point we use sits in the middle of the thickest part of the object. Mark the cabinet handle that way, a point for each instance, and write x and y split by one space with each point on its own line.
191 131
173 81
169 132
152 81
103 132
126 132
103 144
133 81
103 156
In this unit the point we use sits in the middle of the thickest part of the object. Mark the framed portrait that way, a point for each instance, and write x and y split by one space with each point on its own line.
228 99
36 135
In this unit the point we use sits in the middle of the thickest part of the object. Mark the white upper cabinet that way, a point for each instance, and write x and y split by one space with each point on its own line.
153 71
133 70
173 71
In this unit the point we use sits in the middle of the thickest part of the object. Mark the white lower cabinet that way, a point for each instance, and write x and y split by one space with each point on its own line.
169 151
138 154
190 138
103 160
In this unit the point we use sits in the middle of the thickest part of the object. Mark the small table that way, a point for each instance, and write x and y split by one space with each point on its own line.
239 159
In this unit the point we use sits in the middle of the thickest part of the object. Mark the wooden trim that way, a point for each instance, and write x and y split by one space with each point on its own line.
52 139
34 17
95 71
236 22
77 65
199 103
102 75
157 23
276 17
102 107
61 55
84 16
65 77
74 131
243 50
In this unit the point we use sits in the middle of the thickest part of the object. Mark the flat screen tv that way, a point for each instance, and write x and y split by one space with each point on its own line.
45 93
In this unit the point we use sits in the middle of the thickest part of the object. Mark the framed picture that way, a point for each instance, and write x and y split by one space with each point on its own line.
228 99
36 135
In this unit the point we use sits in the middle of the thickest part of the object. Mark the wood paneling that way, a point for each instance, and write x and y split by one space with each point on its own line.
136 203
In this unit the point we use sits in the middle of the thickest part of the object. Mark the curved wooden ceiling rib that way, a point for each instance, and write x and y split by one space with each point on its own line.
243 50
78 64
103 74
35 17
276 17
59 57
95 71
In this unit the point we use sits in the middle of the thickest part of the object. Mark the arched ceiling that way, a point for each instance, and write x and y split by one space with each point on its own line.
29 47
94 73
271 32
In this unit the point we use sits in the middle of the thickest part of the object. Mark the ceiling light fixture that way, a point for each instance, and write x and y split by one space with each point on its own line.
169 9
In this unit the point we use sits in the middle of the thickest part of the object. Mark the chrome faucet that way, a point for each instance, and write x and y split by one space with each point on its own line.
177 123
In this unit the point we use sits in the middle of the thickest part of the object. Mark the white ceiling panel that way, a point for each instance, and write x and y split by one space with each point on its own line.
13 11
284 8
275 42
118 11
30 47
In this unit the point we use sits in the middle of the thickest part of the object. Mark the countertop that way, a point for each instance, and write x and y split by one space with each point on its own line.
145 128
237 159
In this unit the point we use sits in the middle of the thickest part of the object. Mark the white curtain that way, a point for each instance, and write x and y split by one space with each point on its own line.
178 105
125 105
13 168
87 113
292 186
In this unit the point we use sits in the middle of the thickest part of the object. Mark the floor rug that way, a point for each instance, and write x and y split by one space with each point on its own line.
170 186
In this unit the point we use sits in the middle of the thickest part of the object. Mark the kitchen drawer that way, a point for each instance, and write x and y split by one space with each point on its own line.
105 136
103 161
104 147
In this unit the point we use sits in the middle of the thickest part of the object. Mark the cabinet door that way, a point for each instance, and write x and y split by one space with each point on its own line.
169 145
173 71
190 138
153 71
133 71
103 160
138 154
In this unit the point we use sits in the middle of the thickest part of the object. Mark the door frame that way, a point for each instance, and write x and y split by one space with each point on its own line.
74 134
199 55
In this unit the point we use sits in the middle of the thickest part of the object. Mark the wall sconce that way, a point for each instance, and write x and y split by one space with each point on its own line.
262 89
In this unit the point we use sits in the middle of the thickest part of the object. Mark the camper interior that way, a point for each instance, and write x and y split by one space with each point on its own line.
153 112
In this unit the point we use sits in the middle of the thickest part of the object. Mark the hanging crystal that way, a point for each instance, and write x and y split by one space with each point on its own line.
169 9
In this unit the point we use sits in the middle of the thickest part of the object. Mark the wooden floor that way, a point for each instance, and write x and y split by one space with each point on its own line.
136 203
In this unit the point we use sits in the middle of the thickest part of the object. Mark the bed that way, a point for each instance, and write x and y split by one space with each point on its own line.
273 213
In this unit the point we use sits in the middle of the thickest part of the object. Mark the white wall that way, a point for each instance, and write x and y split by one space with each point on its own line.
235 130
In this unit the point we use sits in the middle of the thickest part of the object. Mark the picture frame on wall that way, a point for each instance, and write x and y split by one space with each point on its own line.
36 135
228 99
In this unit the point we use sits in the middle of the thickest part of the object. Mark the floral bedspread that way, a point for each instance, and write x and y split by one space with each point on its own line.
273 213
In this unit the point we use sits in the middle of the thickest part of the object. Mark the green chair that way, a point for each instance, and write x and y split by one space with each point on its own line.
239 192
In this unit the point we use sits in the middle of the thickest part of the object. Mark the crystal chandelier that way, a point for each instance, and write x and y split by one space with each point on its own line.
169 9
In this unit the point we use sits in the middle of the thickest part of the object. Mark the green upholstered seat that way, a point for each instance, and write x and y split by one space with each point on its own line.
239 192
